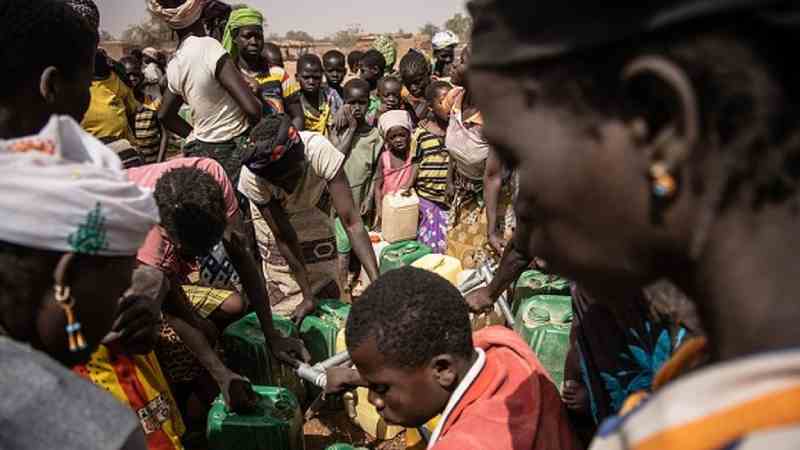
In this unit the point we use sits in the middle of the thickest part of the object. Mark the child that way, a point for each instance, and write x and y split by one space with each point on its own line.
319 103
372 69
147 130
113 107
354 62
415 71
362 152
390 96
395 166
410 339
334 64
434 160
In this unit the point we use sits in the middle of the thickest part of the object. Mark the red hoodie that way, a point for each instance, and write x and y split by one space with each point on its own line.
513 404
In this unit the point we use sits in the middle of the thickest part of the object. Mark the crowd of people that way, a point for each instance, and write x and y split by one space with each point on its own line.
647 152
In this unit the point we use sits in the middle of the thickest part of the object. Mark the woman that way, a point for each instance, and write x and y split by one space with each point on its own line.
60 283
664 149
477 223
204 76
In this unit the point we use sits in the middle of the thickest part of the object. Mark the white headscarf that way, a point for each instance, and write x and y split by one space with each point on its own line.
444 39
63 190
395 118
181 17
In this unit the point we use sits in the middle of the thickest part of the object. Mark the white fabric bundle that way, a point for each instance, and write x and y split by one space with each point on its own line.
63 190
444 39
181 17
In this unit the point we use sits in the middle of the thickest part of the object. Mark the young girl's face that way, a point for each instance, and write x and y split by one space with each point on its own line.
399 139
391 94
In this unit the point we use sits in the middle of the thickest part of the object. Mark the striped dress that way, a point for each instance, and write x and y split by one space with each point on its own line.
431 185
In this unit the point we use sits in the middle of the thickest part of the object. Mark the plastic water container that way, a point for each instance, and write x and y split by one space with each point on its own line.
321 329
400 217
533 282
544 322
276 423
401 254
445 266
246 353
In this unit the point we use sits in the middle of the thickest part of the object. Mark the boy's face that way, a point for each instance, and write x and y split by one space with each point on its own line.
358 99
371 74
310 78
390 93
408 397
250 41
335 70
417 83
398 138
134 74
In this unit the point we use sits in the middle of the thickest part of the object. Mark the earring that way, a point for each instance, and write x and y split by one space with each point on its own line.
67 303
664 185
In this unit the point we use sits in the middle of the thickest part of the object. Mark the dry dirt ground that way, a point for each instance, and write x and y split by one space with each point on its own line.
332 427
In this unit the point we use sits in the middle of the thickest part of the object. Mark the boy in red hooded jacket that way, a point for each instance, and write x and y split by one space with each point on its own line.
410 338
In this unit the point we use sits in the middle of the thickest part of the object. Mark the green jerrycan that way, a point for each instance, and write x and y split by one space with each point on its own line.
276 423
533 282
401 254
320 329
246 354
544 322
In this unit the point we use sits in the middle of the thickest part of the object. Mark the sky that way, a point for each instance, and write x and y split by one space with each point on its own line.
317 17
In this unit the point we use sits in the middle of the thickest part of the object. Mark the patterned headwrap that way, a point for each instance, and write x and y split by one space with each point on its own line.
239 18
86 9
65 191
395 118
388 48
261 152
181 17
444 39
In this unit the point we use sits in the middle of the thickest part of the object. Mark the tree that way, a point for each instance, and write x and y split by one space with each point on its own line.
106 36
153 32
460 25
346 38
297 35
429 29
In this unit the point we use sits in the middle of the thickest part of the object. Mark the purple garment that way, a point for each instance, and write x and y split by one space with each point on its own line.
432 226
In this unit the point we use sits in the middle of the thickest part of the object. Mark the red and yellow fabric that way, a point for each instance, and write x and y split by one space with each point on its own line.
137 381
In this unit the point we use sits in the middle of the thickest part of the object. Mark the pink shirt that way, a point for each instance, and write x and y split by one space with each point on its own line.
395 179
158 251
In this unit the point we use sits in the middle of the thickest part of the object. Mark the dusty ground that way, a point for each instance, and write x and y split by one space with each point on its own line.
333 427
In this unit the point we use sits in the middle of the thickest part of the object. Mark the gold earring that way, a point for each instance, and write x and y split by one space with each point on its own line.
664 184
67 303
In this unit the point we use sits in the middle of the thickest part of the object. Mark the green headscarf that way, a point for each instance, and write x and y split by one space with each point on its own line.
388 48
242 17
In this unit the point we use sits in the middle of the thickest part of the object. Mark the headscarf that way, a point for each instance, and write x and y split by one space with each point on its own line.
181 17
388 48
444 39
86 9
242 17
396 118
64 191
262 150
151 53
510 32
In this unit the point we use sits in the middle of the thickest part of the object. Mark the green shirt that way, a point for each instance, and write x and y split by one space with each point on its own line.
362 164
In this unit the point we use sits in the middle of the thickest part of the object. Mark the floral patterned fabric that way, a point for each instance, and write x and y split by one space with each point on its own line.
432 226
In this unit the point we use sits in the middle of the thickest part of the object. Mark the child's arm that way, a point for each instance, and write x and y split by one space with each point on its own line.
413 179
379 192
